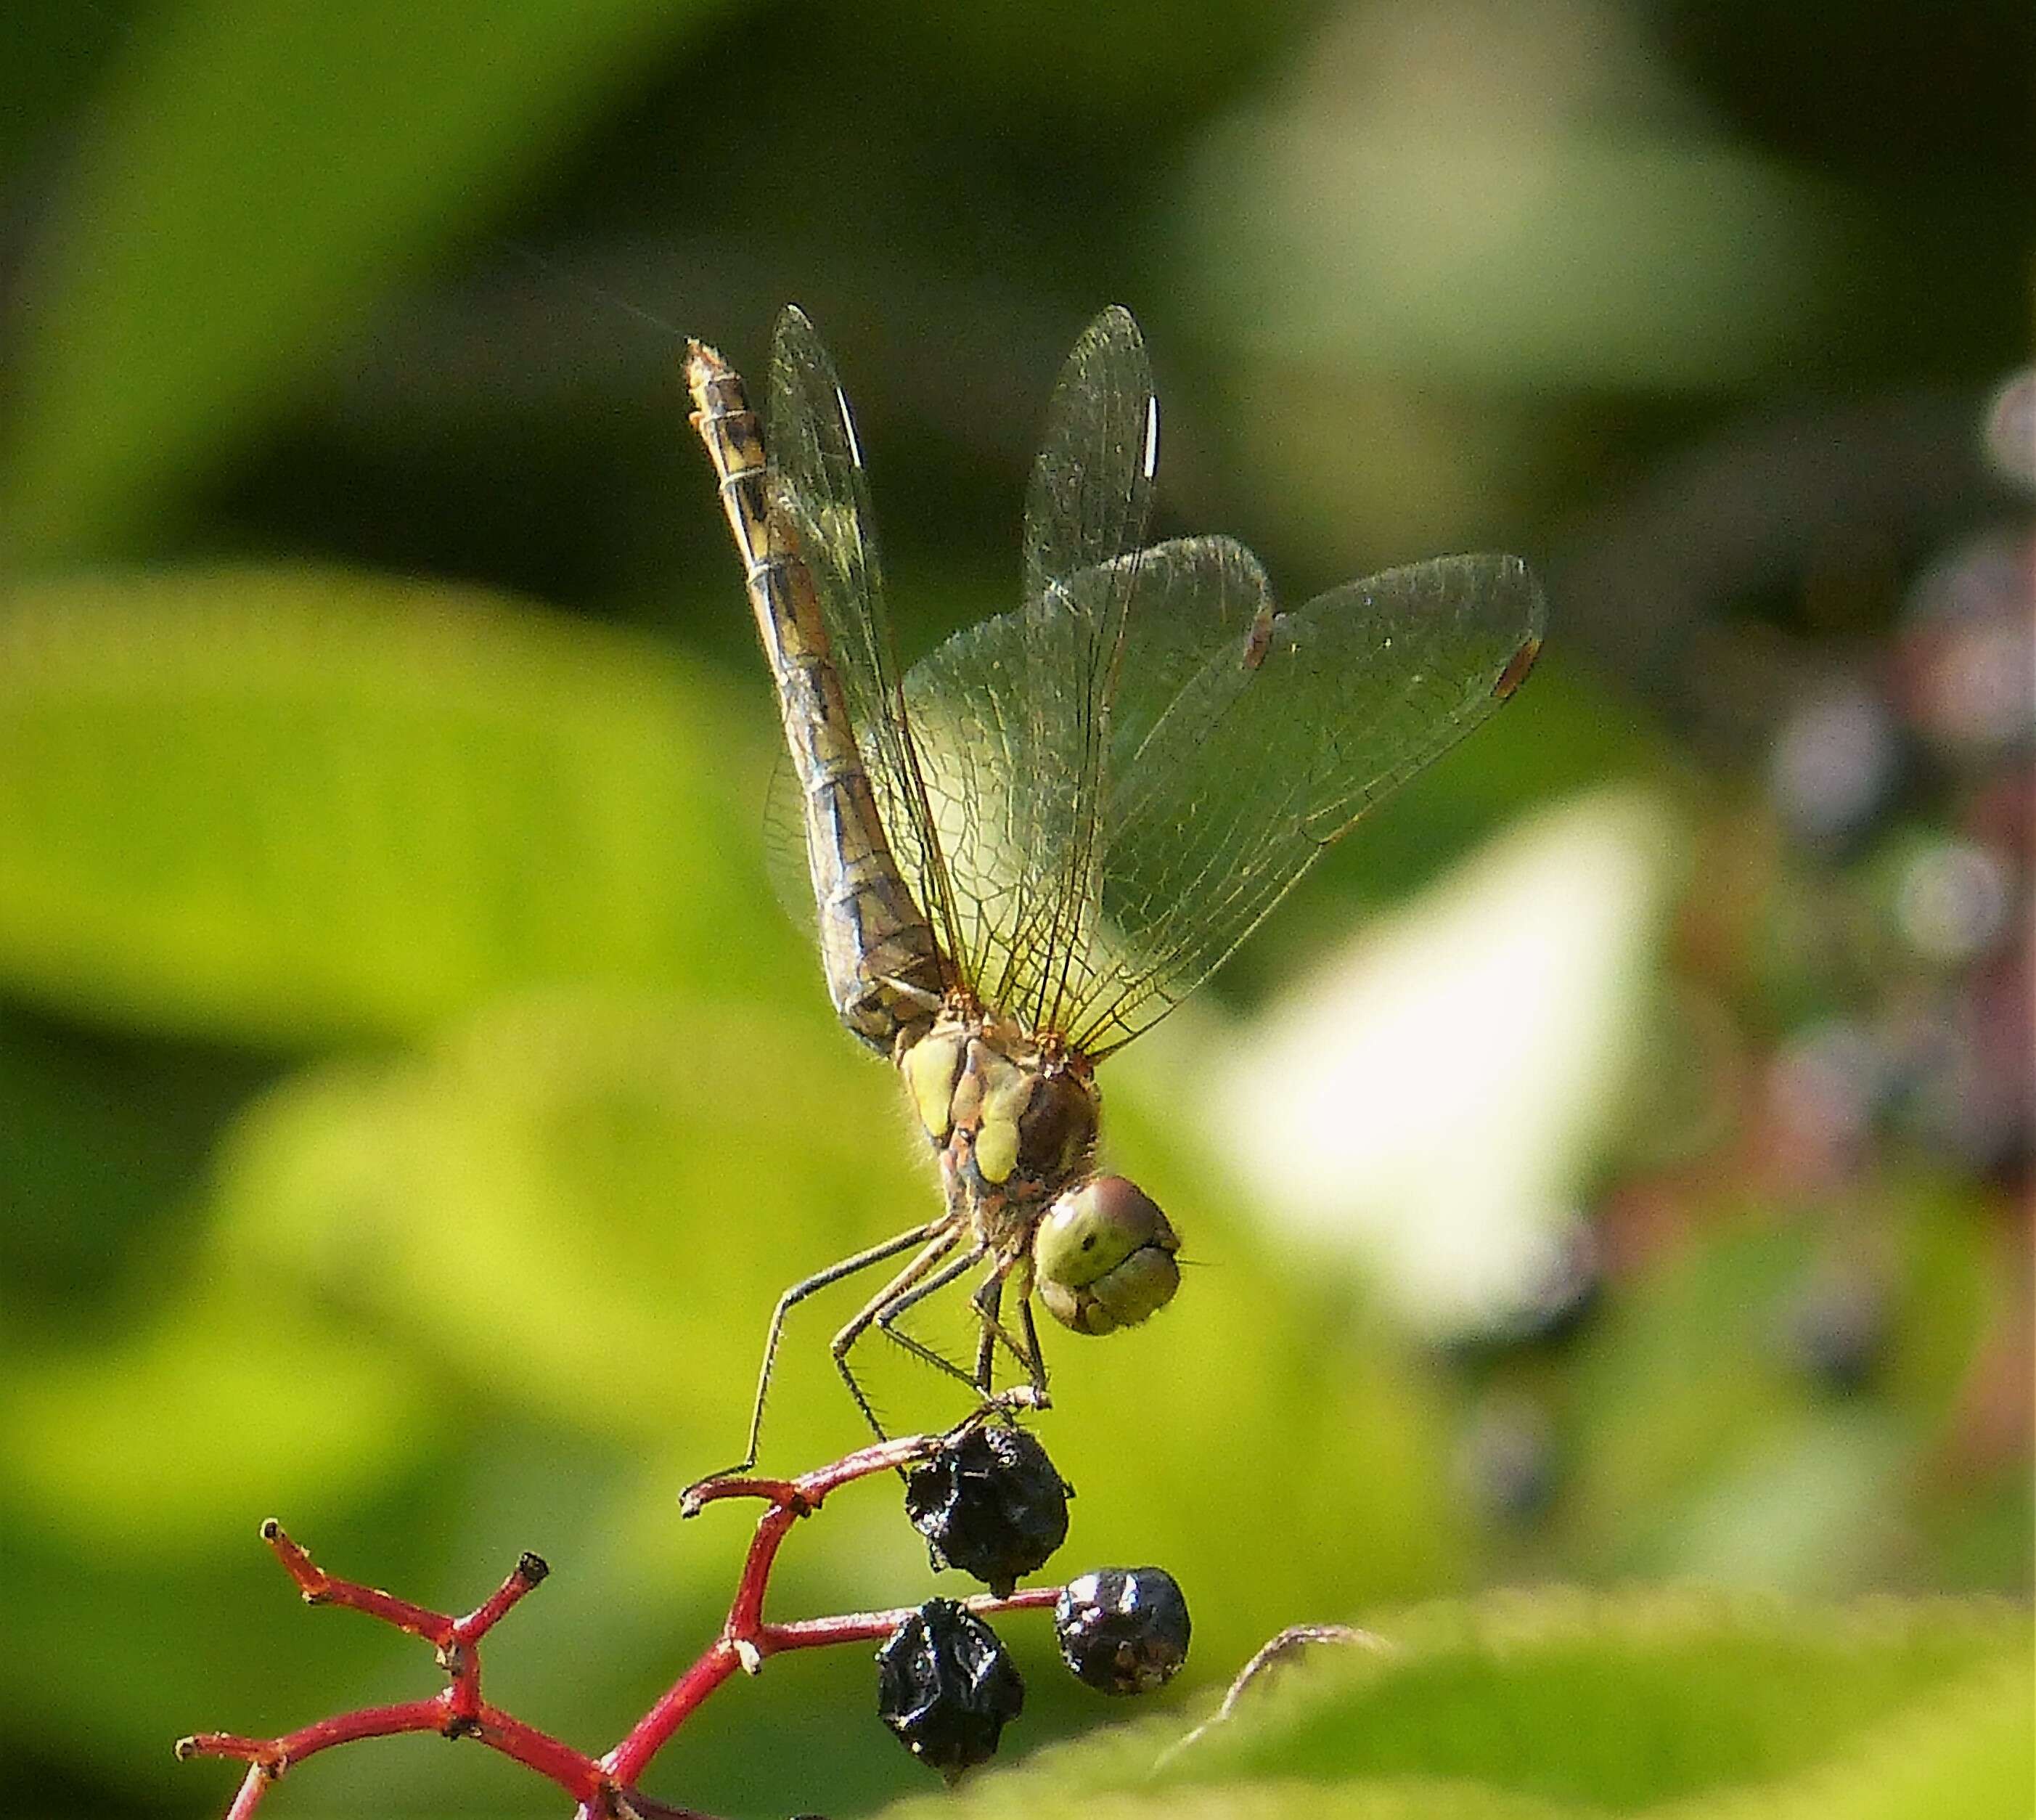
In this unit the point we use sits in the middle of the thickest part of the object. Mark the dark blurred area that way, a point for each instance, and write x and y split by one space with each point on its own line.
406 1081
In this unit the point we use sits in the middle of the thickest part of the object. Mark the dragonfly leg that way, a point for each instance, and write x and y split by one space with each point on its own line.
790 1300
942 1236
1036 1360
891 1307
988 1304
987 1300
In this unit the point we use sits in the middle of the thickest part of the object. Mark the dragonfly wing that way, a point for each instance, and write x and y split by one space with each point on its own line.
1246 740
1091 486
1106 789
1014 714
821 493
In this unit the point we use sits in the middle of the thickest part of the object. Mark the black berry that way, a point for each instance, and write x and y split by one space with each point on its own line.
947 1686
1124 1630
990 1503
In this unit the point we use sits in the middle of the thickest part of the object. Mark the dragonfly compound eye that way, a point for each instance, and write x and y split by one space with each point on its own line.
1103 1257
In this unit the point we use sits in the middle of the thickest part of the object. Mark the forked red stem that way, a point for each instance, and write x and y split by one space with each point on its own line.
603 1787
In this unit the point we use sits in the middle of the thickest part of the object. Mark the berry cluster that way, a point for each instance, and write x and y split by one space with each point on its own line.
988 1500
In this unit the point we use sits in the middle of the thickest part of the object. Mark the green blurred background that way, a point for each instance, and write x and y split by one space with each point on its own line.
1611 1166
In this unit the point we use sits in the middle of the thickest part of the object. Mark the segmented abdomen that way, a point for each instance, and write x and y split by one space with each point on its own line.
884 970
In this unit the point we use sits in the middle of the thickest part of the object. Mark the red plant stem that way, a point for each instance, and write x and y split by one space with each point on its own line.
578 1774
605 1788
743 1641
254 1785
573 1771
322 1588
869 1626
458 1712
529 1570
649 1735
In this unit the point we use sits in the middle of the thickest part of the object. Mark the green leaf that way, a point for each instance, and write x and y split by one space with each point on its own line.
1688 1705
282 804
1963 1755
260 172
1715 1453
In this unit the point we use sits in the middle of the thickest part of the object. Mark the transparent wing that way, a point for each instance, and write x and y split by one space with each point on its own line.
1090 490
1022 703
819 489
1240 743
1249 740
1097 797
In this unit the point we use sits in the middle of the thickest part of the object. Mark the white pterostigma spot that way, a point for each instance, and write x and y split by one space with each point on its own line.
848 426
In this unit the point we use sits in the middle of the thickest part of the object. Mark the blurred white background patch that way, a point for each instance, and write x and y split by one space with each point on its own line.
1425 1105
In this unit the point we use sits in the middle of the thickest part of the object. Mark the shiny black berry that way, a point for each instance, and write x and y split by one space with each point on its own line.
1123 1630
947 1686
990 1503
1837 1332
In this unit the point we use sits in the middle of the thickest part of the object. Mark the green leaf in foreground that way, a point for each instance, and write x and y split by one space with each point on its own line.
1686 1704
281 804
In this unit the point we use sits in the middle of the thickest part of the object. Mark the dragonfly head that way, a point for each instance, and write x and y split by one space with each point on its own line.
1103 1257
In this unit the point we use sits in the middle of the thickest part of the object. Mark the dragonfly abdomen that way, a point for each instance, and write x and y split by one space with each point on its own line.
884 970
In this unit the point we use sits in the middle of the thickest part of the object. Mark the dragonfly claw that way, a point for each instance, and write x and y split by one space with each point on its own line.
1004 1406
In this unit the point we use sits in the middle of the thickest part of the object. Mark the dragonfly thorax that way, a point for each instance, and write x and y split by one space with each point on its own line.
1015 1120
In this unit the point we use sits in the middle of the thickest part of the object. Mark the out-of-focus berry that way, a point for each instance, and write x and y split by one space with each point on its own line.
1837 765
2010 428
990 1503
1505 1461
1556 1286
1964 658
1971 1093
1561 1292
1952 900
947 1686
1837 1331
1123 1630
1825 1088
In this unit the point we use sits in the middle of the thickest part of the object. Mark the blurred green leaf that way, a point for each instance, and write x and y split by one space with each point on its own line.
283 804
100 1146
1365 233
164 1440
1621 1702
256 176
580 1206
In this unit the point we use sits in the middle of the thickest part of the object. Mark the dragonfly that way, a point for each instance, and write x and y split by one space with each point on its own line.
1026 850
